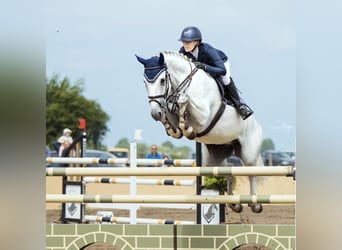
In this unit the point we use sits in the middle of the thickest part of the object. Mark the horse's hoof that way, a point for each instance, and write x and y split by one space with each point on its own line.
189 132
237 208
192 136
175 133
178 134
256 208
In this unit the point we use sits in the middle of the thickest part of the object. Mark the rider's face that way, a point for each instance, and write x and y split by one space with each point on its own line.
189 46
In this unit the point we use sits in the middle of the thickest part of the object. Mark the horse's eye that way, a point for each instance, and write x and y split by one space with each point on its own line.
162 81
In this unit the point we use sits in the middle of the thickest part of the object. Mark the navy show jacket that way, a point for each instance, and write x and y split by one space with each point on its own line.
213 59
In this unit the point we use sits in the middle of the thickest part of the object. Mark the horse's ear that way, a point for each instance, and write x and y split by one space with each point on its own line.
141 60
161 59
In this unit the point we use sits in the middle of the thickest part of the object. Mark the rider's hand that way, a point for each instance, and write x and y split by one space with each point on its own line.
200 65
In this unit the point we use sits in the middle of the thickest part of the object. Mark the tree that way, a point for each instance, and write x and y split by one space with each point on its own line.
167 144
182 152
267 144
142 150
123 143
65 104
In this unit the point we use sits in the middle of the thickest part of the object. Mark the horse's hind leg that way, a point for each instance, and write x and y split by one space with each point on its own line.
230 186
256 208
252 179
215 155
249 152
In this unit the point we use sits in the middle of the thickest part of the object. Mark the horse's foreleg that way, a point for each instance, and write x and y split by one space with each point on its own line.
184 125
170 130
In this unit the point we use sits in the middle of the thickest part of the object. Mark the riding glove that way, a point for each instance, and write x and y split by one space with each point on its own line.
200 65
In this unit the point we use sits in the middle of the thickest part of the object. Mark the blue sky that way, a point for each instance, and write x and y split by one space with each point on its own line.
96 41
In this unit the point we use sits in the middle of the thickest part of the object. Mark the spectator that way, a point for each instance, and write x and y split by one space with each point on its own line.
154 154
66 135
66 142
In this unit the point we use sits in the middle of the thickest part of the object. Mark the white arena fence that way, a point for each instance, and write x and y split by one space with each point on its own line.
92 175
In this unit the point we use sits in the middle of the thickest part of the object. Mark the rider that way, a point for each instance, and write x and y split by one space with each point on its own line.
212 60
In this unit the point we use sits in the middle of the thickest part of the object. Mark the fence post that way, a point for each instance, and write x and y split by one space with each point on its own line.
198 180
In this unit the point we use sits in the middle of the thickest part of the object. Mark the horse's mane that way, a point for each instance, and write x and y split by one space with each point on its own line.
177 54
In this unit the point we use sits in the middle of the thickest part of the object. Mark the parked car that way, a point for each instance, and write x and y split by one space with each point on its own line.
119 152
276 158
291 154
93 154
234 161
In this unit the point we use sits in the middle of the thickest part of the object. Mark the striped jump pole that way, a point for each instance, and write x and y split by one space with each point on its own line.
164 182
125 206
127 220
179 171
195 199
90 160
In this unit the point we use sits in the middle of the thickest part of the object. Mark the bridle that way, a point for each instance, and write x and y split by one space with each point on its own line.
172 98
155 98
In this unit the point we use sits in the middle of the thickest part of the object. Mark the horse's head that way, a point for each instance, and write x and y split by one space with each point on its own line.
163 75
156 83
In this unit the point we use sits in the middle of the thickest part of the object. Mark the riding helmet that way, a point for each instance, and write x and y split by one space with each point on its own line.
190 33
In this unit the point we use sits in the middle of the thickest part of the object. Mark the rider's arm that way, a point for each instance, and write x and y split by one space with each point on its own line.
214 64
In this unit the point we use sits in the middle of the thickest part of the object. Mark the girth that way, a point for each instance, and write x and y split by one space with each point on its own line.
214 120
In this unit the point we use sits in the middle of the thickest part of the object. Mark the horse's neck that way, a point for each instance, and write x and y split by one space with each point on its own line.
179 70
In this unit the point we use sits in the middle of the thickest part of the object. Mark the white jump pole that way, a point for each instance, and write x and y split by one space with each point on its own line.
133 165
133 184
126 220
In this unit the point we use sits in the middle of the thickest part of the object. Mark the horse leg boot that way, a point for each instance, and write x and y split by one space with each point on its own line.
242 108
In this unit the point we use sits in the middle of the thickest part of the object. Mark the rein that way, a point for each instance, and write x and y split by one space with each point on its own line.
173 97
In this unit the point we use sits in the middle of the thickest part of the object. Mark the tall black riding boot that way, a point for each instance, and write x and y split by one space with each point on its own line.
242 108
